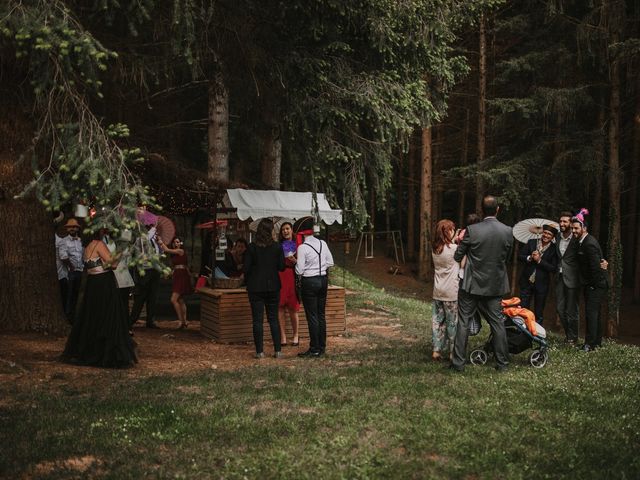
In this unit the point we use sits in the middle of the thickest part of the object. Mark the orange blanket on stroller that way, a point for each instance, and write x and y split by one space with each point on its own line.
511 307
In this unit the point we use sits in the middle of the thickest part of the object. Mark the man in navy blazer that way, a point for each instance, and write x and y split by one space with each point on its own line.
540 260
487 246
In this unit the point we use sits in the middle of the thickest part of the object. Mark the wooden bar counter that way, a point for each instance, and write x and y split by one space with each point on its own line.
225 315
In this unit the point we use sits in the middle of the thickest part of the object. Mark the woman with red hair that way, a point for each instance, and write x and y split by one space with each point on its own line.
445 289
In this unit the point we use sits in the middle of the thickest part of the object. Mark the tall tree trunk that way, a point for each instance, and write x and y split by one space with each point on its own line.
438 186
218 130
596 222
426 173
632 210
463 182
411 200
482 112
30 295
372 206
271 158
615 249
399 193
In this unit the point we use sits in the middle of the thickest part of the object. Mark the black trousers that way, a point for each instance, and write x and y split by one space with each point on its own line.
567 305
592 300
468 305
261 301
73 290
145 292
531 291
314 299
64 291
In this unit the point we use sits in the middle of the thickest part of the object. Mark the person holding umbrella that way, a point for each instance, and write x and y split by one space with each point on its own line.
540 259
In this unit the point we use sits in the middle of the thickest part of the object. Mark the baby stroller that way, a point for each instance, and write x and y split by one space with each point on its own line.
522 333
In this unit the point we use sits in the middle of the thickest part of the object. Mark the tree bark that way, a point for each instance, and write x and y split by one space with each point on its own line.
426 205
30 295
436 208
218 130
596 222
615 249
463 183
411 201
632 212
271 158
482 112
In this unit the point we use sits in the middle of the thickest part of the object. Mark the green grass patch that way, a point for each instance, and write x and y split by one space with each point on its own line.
382 412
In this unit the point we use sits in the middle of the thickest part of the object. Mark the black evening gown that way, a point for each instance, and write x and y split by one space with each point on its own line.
100 334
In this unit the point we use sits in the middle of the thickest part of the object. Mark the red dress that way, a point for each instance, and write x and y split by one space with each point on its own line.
288 286
181 279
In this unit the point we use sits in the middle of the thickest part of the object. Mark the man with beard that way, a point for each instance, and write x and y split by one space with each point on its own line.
540 262
70 252
568 281
593 280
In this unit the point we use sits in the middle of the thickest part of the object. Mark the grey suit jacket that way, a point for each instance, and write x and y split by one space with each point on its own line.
487 246
569 262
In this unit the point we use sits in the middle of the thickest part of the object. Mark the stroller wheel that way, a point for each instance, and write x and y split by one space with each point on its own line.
538 358
478 357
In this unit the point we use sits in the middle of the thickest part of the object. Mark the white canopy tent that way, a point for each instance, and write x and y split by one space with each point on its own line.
256 204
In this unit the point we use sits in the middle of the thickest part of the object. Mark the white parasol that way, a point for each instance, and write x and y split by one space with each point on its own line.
531 228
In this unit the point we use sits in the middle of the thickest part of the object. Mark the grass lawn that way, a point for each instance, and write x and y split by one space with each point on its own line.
381 411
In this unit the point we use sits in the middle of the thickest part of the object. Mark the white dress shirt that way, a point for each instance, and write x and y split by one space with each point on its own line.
312 263
72 250
63 272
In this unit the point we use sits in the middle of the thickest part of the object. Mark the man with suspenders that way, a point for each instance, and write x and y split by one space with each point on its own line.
313 260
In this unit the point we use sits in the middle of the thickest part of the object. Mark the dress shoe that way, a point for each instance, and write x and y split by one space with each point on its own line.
152 325
455 368
309 353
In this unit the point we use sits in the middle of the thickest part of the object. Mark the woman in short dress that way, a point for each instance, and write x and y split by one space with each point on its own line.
181 285
288 299
100 335
445 289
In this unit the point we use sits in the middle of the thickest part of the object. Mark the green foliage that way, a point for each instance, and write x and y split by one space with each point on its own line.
75 158
361 76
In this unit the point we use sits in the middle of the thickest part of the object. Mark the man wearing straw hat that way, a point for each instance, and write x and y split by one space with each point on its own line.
70 252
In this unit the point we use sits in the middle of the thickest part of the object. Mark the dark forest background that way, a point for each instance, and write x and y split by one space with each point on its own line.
402 112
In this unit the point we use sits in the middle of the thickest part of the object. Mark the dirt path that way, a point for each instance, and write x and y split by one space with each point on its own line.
28 358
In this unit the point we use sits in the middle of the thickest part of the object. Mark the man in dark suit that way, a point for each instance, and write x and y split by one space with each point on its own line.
540 262
568 281
487 246
593 280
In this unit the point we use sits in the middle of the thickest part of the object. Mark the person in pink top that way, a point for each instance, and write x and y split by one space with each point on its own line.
445 289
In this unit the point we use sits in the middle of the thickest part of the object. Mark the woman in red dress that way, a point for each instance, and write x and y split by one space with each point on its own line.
181 279
288 299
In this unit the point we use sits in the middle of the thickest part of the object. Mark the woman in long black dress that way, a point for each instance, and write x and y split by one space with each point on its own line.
100 334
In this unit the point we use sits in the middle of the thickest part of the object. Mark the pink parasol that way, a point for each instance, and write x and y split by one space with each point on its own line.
145 217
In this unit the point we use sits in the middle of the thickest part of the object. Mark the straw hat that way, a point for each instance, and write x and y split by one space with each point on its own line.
72 222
